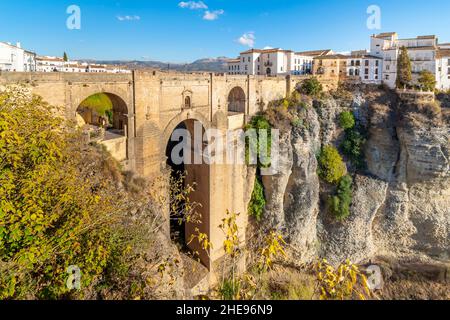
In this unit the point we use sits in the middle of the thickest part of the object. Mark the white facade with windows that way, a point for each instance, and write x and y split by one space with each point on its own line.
14 58
364 67
443 69
50 64
423 52
274 62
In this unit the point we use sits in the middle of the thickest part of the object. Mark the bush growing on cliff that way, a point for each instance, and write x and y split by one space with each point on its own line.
331 166
427 80
353 147
353 144
258 201
339 205
259 147
52 215
311 87
347 120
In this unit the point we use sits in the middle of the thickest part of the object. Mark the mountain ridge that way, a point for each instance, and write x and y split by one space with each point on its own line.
218 64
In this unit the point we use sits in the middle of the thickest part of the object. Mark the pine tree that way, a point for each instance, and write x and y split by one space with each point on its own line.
66 58
404 75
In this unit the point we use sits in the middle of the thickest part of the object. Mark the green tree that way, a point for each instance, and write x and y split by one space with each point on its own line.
258 201
55 211
347 120
331 166
66 57
311 87
339 205
427 80
404 73
257 146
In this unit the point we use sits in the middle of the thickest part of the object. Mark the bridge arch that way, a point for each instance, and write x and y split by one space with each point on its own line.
104 117
104 105
192 173
237 100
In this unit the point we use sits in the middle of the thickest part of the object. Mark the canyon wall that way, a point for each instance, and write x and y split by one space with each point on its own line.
401 200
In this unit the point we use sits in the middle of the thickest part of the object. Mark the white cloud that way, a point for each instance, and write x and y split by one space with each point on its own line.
247 39
128 18
213 15
193 5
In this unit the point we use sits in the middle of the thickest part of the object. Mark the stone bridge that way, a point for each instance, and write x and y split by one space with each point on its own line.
148 106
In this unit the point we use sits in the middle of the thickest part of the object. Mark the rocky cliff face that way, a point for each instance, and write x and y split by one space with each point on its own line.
401 202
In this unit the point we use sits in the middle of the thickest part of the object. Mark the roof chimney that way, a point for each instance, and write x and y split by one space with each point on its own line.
19 45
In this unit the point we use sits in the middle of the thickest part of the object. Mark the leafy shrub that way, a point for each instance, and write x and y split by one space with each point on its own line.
331 166
339 205
258 201
55 211
346 282
259 147
347 120
427 80
311 87
353 147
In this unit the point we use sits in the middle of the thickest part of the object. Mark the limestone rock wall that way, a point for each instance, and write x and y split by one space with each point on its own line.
401 202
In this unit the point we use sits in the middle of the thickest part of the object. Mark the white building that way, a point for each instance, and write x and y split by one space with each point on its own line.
365 67
14 58
274 62
57 64
50 64
423 52
443 68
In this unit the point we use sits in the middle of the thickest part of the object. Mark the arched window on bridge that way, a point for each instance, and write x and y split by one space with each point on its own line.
187 102
237 100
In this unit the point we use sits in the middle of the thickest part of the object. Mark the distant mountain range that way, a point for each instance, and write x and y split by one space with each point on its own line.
207 65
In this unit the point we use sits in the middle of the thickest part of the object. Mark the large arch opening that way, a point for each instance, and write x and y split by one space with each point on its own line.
184 152
105 110
236 100
104 118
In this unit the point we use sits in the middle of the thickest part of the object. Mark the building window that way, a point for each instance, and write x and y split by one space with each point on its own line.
246 67
350 72
249 59
358 63
187 102
387 77
377 63
366 63
366 77
376 71
352 63
356 72
366 71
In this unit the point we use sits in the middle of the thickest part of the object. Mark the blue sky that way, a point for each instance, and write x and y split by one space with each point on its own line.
167 31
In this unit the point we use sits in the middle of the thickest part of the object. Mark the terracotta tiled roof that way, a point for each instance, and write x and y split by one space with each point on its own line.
265 51
332 56
315 52
41 58
443 53
385 35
